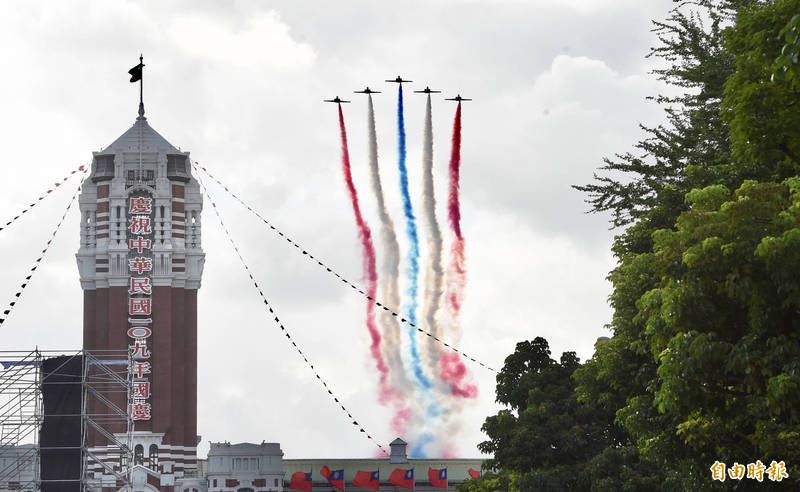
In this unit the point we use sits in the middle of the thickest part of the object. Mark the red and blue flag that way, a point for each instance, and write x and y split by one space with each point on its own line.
301 481
335 477
438 478
367 479
402 478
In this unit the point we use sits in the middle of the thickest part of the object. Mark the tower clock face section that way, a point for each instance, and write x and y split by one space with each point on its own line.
141 263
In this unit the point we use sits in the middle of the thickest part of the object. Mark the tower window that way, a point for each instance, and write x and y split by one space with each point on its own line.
131 175
104 169
154 457
138 455
177 170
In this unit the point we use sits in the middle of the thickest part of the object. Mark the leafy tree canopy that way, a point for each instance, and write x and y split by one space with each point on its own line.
702 365
704 362
547 439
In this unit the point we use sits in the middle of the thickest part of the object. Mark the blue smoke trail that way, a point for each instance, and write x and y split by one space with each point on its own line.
413 254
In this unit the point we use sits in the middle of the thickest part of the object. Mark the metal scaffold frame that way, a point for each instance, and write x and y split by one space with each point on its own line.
106 378
20 419
106 428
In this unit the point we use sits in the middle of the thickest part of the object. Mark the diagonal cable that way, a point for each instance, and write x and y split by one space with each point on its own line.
305 252
279 323
44 195
38 261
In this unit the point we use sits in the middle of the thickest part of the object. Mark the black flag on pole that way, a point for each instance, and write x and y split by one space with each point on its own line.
136 72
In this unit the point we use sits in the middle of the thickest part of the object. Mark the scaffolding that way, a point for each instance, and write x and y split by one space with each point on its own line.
106 428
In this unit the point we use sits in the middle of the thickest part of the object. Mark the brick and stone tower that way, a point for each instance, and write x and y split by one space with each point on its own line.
140 263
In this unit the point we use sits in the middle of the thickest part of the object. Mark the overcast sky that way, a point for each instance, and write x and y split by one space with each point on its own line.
557 85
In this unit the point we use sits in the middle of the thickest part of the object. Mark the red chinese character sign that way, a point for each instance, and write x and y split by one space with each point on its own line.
140 205
140 301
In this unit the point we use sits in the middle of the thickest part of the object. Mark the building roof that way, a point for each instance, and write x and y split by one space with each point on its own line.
140 136
244 449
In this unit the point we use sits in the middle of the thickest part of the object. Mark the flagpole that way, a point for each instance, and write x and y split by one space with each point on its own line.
141 86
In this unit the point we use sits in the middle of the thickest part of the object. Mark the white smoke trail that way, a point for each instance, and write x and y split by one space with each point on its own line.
407 416
433 262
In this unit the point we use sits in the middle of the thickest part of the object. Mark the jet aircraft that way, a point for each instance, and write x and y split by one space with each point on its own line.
336 100
367 91
457 98
427 90
399 80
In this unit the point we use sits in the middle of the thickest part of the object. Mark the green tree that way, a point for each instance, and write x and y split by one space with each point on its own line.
763 114
704 362
701 364
723 325
546 439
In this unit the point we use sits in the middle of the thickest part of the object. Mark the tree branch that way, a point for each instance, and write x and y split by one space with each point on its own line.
786 150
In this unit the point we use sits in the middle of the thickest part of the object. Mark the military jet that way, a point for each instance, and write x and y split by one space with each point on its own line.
367 91
457 98
399 80
336 100
427 90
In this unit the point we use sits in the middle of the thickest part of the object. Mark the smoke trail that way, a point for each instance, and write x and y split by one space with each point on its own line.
433 261
413 254
452 369
390 291
433 281
368 264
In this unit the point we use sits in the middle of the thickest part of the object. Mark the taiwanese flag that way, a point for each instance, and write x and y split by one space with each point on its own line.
300 481
474 473
402 478
368 480
335 477
438 478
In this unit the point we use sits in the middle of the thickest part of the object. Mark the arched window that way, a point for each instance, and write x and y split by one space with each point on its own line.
154 457
138 455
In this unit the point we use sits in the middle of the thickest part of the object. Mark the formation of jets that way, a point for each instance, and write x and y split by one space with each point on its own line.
398 80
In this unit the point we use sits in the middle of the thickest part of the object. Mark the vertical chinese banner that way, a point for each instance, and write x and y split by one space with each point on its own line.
140 299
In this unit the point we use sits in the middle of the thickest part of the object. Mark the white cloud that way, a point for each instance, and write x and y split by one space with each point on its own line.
259 40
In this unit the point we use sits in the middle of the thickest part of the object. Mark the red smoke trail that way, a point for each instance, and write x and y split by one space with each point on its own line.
453 206
368 263
451 368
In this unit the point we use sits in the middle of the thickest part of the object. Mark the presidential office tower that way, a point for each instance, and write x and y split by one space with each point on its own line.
140 262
